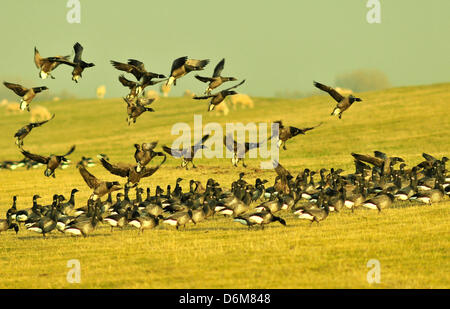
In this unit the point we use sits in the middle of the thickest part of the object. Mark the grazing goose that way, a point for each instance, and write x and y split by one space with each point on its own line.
137 107
179 219
144 154
11 212
182 66
24 214
85 227
52 161
337 202
6 224
274 205
286 133
315 214
35 213
259 218
26 94
217 98
239 150
24 131
146 222
187 155
259 191
355 198
344 103
118 220
434 195
381 201
216 80
46 65
68 207
47 223
77 64
130 171
99 187
201 213
237 208
407 192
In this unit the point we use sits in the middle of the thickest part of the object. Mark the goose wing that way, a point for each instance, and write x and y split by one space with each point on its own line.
310 128
229 142
37 58
380 155
90 179
195 65
178 63
72 149
38 124
281 171
235 86
219 67
204 79
78 52
126 82
35 157
116 169
173 152
138 64
336 95
201 142
18 89
127 68
149 146
368 159
429 157
146 172
204 97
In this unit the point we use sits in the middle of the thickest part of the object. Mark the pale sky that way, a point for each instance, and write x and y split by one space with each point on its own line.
274 45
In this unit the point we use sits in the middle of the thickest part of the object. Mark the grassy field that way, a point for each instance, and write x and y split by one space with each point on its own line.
412 242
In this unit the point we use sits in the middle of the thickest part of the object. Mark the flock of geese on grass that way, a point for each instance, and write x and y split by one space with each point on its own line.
375 184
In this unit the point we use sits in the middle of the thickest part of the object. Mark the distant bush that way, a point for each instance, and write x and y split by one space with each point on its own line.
363 80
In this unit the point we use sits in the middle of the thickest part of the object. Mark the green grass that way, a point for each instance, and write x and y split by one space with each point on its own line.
411 241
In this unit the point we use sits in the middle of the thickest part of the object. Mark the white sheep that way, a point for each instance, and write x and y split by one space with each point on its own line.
13 108
343 91
188 94
101 91
243 99
222 108
39 113
165 89
152 94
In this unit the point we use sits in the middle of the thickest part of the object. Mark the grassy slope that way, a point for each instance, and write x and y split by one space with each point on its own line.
410 242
